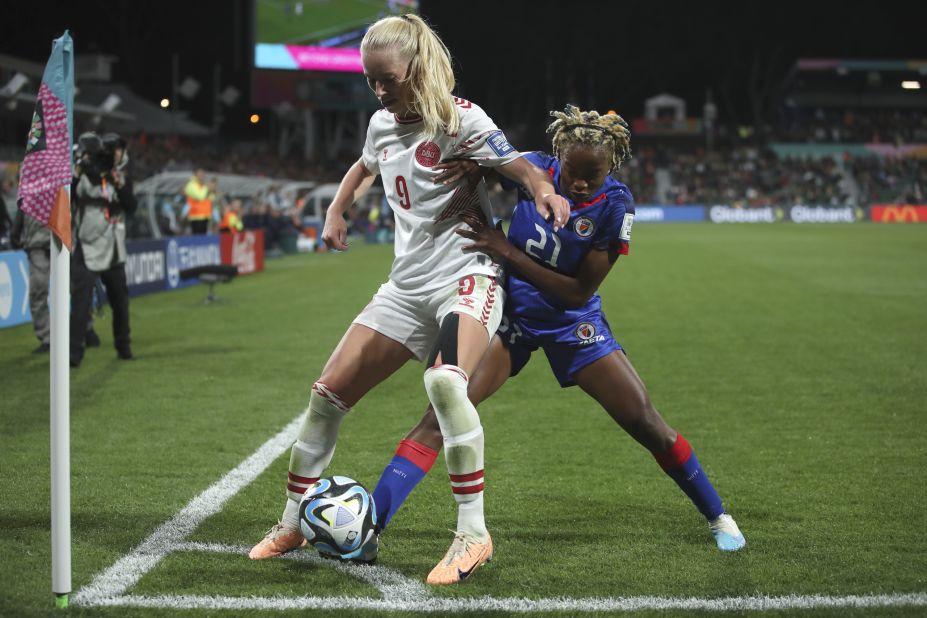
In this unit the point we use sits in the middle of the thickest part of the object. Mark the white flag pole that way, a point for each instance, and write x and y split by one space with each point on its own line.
60 420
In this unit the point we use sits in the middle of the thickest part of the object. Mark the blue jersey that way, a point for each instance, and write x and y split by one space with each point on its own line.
603 223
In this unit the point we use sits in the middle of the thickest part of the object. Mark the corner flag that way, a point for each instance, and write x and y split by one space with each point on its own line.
45 195
46 170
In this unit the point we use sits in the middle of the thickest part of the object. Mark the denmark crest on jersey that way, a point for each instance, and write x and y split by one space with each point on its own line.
427 154
584 227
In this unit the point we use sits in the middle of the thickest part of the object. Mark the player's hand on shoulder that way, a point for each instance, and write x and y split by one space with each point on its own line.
553 208
452 170
335 232
486 239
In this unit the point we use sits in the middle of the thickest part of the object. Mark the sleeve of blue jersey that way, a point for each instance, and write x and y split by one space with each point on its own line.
620 203
538 159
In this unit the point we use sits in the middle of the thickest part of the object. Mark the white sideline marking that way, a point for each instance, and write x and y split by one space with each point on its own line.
388 582
488 604
108 589
125 573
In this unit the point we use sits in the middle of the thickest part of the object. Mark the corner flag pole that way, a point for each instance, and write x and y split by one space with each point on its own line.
44 195
60 421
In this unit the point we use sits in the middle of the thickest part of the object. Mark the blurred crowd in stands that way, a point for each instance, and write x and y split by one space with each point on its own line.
891 180
877 126
736 171
156 154
750 176
744 176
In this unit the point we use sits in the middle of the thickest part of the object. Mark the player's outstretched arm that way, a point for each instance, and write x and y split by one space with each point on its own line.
546 200
572 292
354 185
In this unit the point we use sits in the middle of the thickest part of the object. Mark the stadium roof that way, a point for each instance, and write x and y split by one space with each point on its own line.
834 64
138 114
851 83
133 114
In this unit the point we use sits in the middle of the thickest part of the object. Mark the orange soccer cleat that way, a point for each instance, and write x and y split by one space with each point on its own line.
278 541
465 556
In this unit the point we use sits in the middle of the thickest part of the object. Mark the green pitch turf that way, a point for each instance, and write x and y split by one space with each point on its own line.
793 358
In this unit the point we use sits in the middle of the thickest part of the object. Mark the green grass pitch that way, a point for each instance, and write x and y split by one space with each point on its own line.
792 357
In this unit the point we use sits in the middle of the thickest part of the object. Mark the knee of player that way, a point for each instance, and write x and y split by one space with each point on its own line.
639 407
654 432
636 414
445 383
329 400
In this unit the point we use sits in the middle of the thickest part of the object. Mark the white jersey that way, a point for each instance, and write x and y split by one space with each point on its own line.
428 253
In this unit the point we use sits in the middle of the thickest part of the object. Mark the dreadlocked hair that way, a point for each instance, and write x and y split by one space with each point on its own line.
431 77
573 126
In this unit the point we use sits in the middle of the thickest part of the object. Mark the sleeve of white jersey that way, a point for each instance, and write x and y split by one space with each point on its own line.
369 154
480 139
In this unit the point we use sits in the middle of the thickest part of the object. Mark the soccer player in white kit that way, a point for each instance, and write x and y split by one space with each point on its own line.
440 302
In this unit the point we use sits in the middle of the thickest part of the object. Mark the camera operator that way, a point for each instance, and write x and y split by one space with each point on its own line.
103 194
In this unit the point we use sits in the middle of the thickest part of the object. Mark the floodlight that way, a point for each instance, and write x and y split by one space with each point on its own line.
12 87
111 102
229 96
189 88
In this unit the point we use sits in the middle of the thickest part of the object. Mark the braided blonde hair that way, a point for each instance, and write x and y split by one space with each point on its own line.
573 126
430 77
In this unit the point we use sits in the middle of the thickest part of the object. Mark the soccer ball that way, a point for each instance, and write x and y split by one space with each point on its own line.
338 517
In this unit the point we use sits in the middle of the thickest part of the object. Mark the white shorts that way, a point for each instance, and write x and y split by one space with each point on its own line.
414 319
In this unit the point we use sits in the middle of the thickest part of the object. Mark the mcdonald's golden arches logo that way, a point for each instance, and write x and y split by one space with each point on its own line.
899 213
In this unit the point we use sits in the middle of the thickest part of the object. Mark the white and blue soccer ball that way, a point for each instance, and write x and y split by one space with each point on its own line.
338 517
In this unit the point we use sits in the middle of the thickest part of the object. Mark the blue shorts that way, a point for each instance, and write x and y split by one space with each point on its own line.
569 347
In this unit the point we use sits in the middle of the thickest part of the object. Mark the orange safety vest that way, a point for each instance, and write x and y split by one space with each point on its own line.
230 223
198 199
199 209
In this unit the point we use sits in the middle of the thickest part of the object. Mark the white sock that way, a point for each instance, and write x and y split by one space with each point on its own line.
314 447
470 518
290 517
463 445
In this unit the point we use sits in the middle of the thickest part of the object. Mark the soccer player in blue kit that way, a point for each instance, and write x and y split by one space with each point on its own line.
552 304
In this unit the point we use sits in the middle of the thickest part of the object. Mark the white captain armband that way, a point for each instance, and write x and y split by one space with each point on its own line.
625 233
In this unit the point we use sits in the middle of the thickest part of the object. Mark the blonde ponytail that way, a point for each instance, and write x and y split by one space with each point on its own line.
430 78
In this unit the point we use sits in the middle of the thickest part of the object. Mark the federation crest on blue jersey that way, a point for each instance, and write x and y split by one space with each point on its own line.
337 516
499 144
585 331
584 227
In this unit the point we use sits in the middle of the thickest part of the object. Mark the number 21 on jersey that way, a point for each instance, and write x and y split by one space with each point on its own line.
535 248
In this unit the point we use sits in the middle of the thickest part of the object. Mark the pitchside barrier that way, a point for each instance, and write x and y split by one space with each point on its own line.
14 288
151 266
155 265
721 213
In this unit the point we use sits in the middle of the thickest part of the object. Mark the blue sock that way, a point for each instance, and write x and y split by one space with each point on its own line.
410 464
681 465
